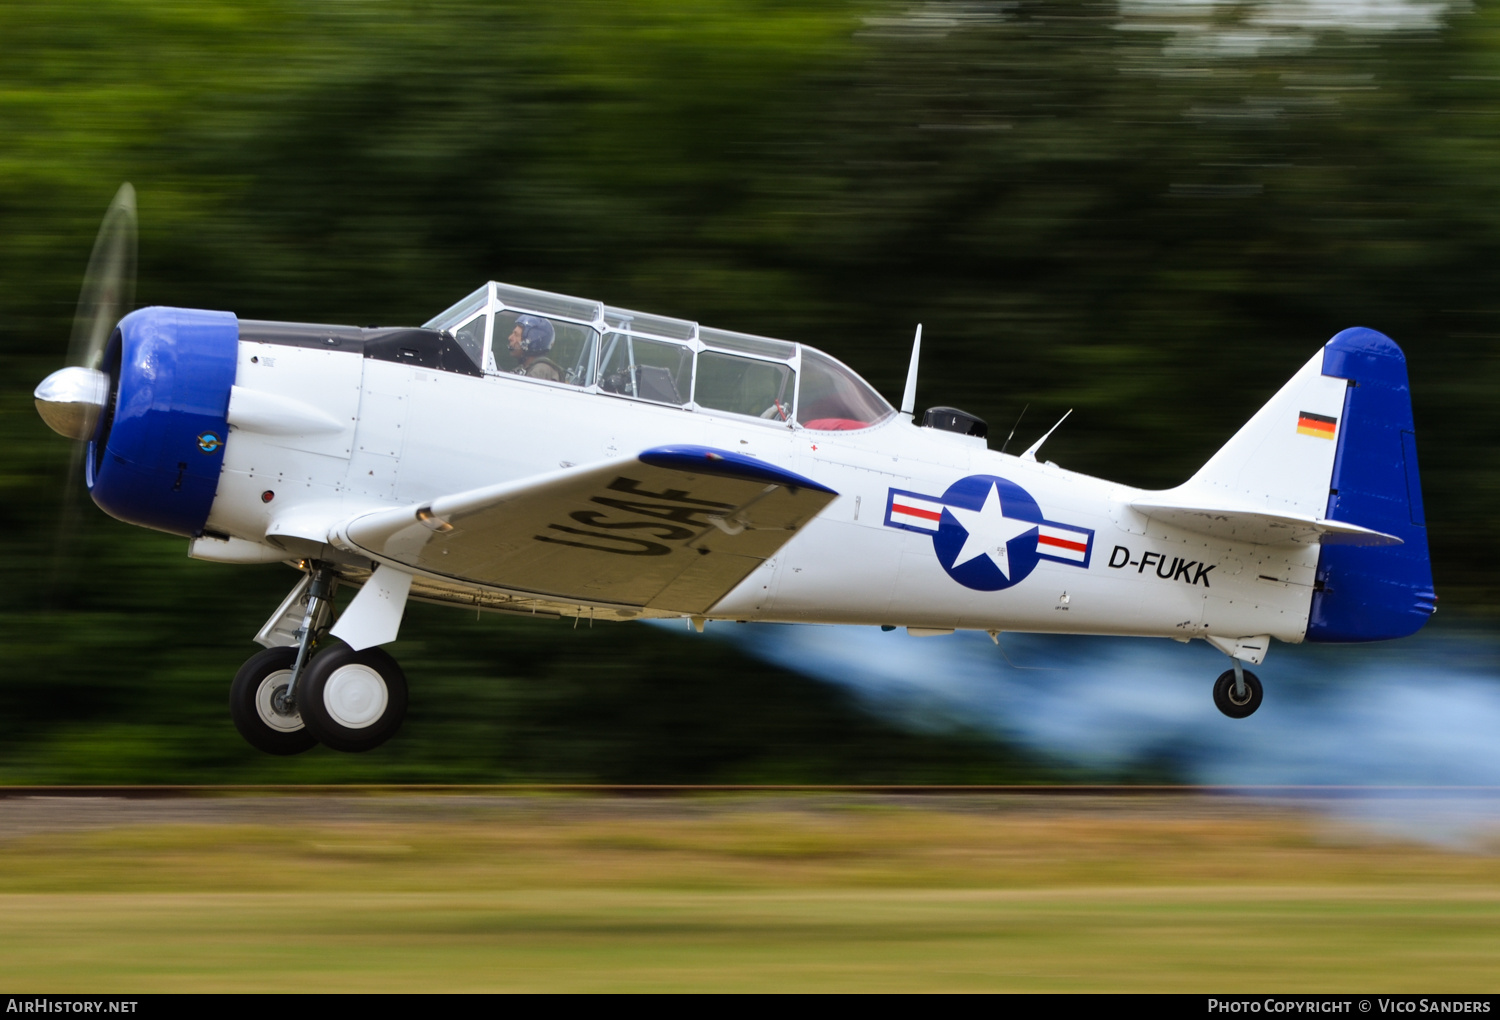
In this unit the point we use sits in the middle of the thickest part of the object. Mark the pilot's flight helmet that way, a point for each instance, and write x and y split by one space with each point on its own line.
536 334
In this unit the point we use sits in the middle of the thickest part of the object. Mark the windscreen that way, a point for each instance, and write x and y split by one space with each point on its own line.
835 399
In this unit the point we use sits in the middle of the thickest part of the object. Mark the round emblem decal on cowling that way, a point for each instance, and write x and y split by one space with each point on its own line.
208 442
987 538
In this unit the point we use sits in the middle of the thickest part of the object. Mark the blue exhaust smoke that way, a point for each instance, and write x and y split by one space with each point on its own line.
1422 711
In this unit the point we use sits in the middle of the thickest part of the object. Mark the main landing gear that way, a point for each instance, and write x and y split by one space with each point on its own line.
291 697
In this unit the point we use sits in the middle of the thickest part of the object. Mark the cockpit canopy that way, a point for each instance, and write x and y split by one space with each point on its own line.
574 342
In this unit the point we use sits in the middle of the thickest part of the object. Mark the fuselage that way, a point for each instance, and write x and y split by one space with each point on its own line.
398 434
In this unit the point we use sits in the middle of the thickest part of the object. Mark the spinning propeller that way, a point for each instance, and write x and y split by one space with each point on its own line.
71 399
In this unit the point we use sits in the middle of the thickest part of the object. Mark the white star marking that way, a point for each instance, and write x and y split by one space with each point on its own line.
989 532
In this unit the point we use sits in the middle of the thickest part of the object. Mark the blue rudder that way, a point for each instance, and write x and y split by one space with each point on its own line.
1370 593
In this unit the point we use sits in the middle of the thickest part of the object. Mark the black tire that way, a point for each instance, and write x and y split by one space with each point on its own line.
251 707
352 701
1224 695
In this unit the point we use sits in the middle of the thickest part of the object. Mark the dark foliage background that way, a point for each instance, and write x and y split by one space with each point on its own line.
1147 212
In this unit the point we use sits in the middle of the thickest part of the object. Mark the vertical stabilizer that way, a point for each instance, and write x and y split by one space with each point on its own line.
1281 461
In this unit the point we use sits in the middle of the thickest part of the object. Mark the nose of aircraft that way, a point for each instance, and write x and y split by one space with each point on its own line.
70 400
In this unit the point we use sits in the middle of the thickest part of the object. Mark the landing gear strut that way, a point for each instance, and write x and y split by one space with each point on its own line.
1238 692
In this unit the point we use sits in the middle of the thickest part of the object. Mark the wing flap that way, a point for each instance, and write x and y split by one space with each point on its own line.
675 529
1260 527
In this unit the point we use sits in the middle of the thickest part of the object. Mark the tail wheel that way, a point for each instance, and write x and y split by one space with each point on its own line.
1234 705
258 707
352 701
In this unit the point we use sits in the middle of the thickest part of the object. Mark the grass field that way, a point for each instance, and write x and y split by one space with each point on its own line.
731 893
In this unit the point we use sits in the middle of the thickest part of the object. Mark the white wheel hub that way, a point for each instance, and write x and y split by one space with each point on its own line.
355 696
265 704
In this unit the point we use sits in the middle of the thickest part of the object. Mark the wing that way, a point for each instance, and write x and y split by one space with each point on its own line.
675 529
1260 527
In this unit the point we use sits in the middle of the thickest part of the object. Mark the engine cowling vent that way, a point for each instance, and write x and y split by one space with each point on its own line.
951 419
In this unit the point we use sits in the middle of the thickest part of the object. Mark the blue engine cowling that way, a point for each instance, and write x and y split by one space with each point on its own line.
156 457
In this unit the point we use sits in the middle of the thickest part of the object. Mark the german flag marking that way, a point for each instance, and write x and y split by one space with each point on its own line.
1320 425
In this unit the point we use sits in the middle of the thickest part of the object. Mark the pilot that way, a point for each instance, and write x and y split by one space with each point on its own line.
530 340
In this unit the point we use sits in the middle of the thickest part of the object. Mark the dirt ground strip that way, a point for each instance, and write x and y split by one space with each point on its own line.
36 812
54 812
752 891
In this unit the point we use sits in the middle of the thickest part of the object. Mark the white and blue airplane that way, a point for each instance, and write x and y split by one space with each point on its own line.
528 452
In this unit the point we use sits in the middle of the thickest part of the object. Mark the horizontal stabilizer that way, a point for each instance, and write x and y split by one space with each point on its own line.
674 529
1259 527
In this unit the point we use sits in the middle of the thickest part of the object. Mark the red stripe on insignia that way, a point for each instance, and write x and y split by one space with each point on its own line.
1062 543
911 511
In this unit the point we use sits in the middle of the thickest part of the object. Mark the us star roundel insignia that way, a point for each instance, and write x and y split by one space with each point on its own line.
988 533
